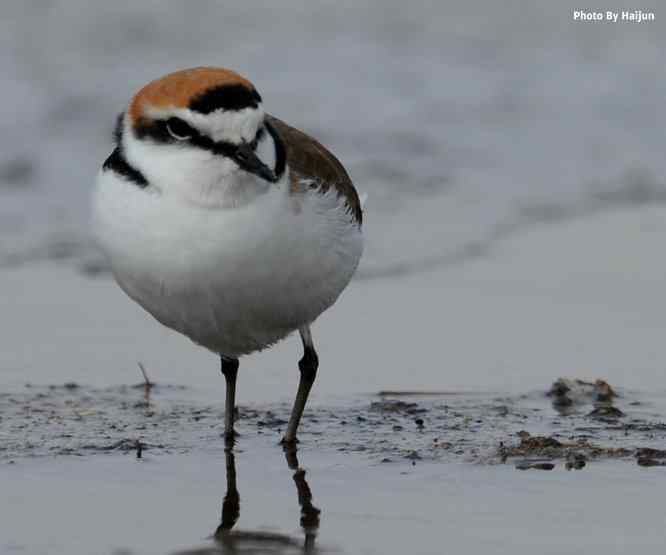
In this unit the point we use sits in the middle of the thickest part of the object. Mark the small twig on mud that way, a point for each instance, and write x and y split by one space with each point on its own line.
147 383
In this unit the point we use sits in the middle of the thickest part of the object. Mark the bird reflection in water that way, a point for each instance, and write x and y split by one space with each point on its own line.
249 542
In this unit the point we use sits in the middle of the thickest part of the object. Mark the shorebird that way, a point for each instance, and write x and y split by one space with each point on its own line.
224 222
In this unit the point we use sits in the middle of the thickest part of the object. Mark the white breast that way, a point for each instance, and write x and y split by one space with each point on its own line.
235 280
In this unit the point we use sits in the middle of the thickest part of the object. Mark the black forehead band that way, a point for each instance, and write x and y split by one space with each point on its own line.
226 97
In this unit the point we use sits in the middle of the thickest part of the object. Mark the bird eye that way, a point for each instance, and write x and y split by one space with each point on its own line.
178 129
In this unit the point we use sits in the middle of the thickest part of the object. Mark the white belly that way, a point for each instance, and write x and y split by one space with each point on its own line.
234 280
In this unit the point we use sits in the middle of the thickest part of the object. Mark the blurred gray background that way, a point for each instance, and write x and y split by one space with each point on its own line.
466 123
516 215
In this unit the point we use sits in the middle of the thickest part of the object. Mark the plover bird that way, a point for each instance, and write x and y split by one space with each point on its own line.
225 223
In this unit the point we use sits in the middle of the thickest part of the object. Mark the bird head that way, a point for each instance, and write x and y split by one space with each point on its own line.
200 132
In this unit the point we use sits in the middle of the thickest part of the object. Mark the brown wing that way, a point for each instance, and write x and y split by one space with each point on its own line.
309 159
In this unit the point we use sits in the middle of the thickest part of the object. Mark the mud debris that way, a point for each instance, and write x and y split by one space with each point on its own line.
650 462
534 465
271 421
537 444
396 406
414 456
76 420
575 453
606 412
568 396
569 391
575 461
647 456
649 453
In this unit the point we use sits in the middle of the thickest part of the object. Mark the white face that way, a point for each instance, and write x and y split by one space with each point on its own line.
192 167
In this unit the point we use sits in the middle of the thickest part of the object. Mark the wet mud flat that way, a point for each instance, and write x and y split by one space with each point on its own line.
571 422
131 470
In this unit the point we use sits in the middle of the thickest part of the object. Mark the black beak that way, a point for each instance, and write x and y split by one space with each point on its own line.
247 159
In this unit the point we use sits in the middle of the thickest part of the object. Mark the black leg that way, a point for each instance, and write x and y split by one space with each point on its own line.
308 366
230 372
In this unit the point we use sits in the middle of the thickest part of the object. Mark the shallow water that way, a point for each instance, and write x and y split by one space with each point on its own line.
175 504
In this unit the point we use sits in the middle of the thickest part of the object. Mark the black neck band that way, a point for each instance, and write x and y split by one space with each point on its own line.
117 163
280 150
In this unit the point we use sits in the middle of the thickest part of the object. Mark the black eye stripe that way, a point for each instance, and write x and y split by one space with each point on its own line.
158 131
216 147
